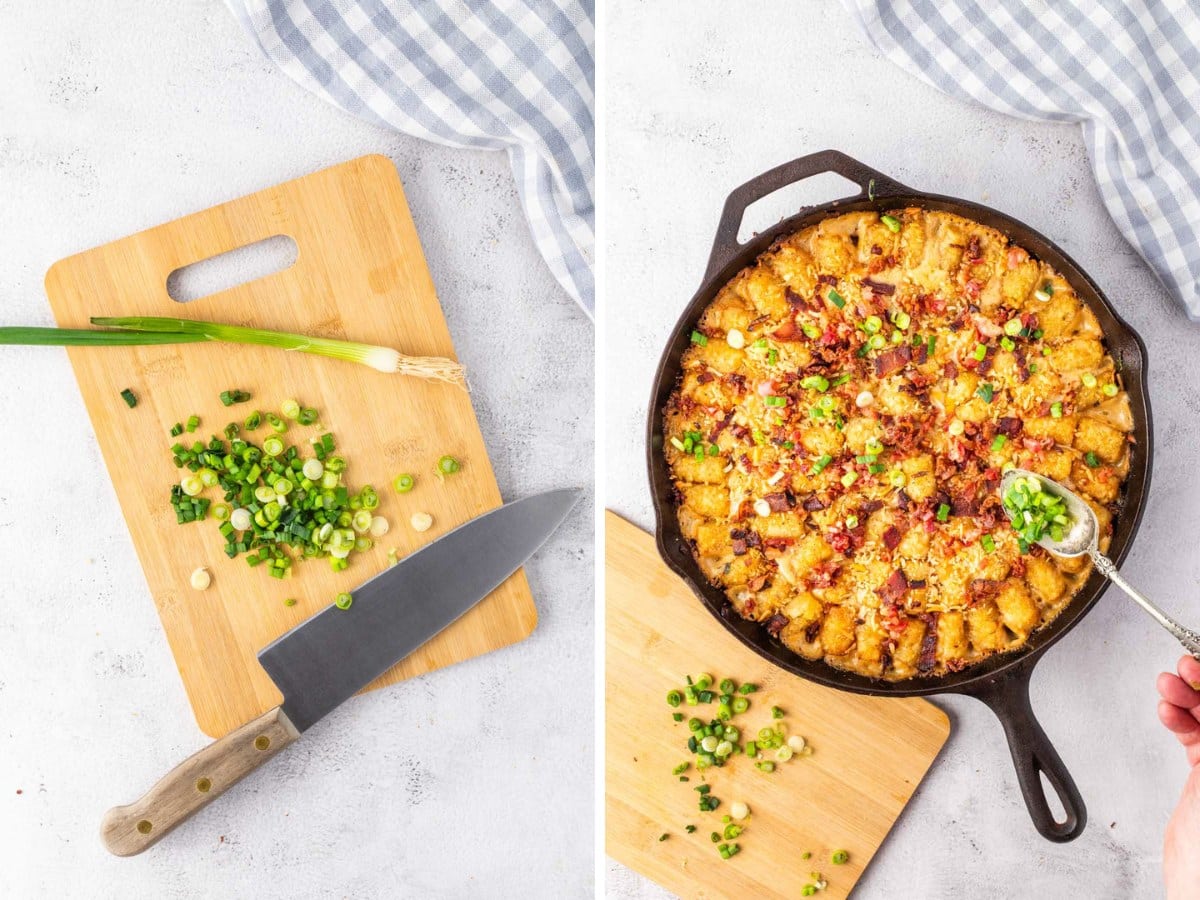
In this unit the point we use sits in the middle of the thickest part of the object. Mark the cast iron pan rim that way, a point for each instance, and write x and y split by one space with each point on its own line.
679 558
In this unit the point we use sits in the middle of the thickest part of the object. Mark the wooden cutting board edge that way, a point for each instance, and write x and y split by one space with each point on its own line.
213 228
934 720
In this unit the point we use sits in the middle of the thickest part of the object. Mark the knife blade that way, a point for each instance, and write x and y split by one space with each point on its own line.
328 658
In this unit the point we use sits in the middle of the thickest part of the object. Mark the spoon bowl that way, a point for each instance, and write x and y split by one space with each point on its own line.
1083 534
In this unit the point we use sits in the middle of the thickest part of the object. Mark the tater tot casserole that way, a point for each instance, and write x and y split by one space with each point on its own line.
839 430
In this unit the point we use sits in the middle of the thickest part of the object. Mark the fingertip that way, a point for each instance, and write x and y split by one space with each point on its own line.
1176 720
1189 671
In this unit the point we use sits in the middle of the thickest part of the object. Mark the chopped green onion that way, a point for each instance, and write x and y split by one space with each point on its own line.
986 391
943 512
810 331
1007 344
1109 390
901 320
177 429
892 223
1091 460
872 324
129 398
822 461
1056 410
343 600
699 339
836 299
448 465
1013 327
849 478
980 352
277 424
193 422
253 420
1089 380
290 409
988 544
775 401
307 416
839 857
815 383
228 398
998 442
876 342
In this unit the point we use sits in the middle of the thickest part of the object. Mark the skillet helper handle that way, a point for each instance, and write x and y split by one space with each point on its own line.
726 245
1033 756
195 783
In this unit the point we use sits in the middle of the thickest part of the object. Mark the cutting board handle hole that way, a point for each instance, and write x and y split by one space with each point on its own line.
232 268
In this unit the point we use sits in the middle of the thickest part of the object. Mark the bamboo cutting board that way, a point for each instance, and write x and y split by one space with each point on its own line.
869 753
360 275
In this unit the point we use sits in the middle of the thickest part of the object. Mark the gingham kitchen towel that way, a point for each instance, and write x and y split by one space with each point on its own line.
1127 70
514 75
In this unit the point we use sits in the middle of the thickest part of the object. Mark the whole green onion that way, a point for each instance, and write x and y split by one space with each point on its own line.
384 359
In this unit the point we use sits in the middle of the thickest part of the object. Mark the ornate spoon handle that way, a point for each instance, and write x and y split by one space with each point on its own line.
1185 636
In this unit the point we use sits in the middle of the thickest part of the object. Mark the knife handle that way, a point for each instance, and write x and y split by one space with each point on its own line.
195 783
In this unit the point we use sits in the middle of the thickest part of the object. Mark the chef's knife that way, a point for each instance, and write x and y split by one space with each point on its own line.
330 657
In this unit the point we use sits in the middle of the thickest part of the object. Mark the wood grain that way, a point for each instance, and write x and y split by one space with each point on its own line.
360 275
195 783
869 753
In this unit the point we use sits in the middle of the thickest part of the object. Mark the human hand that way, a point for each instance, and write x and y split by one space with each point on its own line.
1179 711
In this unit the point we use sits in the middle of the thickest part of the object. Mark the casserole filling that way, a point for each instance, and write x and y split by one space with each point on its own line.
840 427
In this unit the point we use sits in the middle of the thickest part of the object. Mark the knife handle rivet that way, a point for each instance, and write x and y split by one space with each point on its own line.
144 826
262 742
204 785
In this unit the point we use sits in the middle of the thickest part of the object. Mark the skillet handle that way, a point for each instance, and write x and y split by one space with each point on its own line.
726 246
1033 755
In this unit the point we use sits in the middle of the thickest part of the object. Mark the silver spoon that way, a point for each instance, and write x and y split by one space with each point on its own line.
1083 538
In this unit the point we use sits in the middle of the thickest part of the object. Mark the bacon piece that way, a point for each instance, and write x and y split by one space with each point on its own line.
985 364
928 657
1010 426
892 537
827 279
964 506
757 583
795 301
950 370
786 332
811 632
813 503
780 502
894 589
775 624
984 589
840 541
922 354
778 543
739 547
879 287
705 377
870 506
891 361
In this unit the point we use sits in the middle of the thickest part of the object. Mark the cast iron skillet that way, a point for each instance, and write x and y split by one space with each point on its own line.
1002 681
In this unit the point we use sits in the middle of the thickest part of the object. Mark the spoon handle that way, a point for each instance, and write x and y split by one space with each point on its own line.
1185 636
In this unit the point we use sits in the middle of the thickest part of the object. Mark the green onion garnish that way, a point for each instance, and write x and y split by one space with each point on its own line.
1035 511
943 512
129 398
1056 410
988 544
1008 344
775 401
892 223
343 600
228 398
998 442
1093 461
253 420
872 324
836 299
699 339
818 466
839 857
815 383
1088 379
1109 390
193 422
448 465
404 483
986 391
980 352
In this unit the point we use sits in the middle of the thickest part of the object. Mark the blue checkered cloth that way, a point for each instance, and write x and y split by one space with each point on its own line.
513 75
1127 70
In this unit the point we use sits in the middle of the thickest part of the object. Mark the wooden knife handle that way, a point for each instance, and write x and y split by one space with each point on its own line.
195 783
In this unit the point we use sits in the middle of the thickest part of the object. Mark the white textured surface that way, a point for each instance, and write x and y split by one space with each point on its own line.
472 781
700 103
